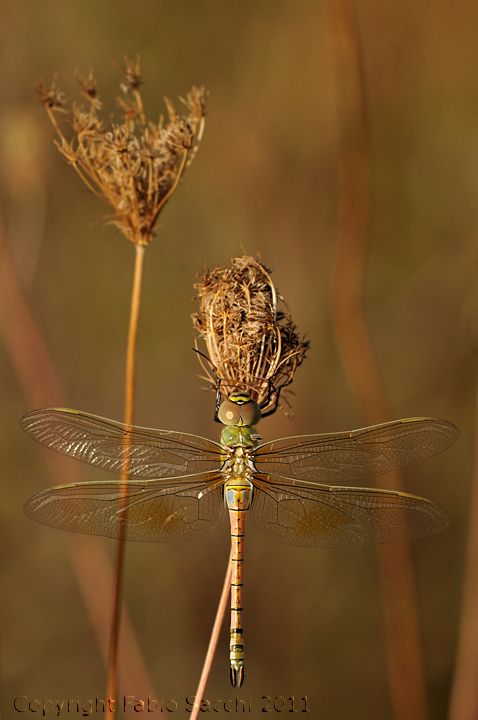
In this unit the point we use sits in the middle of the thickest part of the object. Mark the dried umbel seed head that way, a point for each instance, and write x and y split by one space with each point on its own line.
252 345
133 166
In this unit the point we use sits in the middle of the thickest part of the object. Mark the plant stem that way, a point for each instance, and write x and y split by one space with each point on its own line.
402 628
128 420
464 692
213 641
28 353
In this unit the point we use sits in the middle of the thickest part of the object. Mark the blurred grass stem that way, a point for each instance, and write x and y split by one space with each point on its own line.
213 641
405 663
464 692
128 420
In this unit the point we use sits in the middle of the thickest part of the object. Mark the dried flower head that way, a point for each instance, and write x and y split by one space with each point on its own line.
252 345
133 166
52 98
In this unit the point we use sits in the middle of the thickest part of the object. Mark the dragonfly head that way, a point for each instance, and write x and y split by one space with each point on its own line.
239 409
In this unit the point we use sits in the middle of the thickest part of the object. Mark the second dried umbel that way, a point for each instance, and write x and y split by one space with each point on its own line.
252 343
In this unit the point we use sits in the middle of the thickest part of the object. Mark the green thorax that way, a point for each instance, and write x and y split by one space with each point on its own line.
239 436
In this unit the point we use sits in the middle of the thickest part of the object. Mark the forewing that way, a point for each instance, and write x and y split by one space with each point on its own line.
152 511
341 516
338 457
142 452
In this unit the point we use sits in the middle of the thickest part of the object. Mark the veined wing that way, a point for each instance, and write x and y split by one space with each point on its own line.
338 457
340 516
153 511
143 452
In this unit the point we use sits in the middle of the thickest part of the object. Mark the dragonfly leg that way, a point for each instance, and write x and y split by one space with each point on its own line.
237 518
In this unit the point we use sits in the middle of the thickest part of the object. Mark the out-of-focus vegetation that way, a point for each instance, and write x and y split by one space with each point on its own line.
264 179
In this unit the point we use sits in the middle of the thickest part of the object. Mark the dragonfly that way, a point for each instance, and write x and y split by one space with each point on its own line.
296 489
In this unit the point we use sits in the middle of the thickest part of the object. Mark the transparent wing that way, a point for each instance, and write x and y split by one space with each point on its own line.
152 511
338 457
111 445
340 516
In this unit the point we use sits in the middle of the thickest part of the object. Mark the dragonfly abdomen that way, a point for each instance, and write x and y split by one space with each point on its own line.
238 497
236 647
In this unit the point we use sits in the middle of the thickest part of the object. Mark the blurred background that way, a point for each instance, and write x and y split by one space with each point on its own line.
265 180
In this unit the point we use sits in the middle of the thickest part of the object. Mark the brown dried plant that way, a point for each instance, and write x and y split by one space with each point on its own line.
133 166
252 345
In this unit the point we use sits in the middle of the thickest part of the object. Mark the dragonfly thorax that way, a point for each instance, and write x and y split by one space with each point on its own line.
239 436
238 470
239 462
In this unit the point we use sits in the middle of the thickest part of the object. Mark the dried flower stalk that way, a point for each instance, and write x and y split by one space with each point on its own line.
133 166
252 345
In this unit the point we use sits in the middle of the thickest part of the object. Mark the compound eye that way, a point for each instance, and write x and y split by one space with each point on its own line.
229 413
250 413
